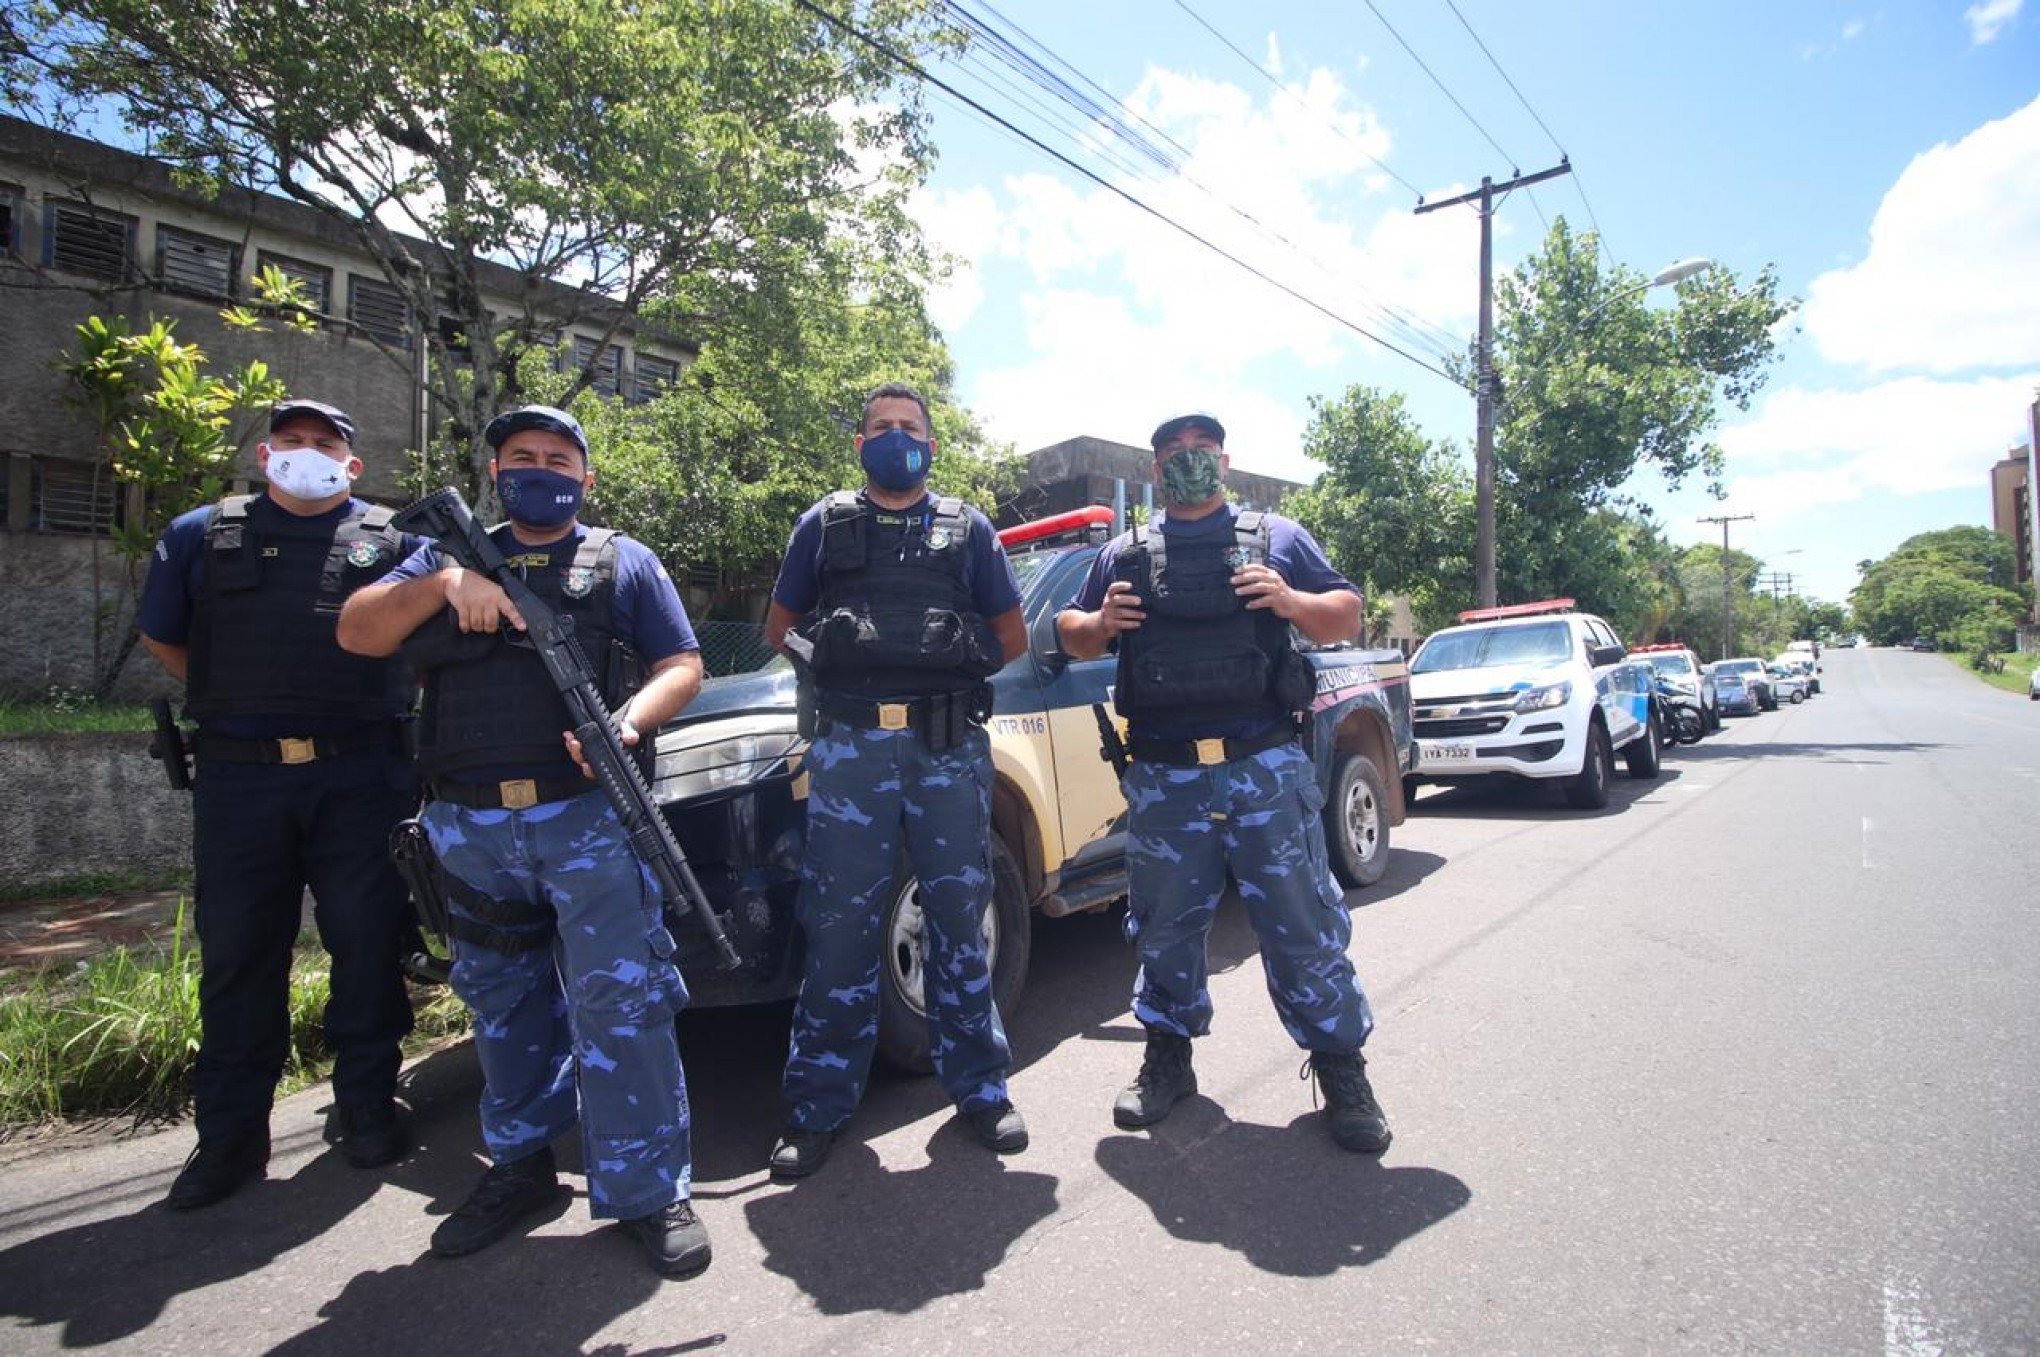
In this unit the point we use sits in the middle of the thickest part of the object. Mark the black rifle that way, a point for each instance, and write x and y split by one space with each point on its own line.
443 516
167 744
411 851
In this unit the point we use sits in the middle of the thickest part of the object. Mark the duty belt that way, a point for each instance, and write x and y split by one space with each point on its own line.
943 719
1202 753
296 748
520 793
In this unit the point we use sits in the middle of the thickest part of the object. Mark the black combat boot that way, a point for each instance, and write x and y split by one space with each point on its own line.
506 1194
1165 1079
371 1135
1356 1120
674 1238
220 1164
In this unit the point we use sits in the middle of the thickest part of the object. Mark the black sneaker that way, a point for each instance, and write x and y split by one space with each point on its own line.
1356 1119
674 1237
999 1127
217 1166
506 1194
1165 1079
371 1135
799 1152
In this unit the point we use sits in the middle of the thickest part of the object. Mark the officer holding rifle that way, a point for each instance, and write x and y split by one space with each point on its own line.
535 857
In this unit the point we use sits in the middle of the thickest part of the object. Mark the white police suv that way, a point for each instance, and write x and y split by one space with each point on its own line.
1534 690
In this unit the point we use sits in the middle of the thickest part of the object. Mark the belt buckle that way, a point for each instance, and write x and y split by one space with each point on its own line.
892 715
297 750
518 794
1209 752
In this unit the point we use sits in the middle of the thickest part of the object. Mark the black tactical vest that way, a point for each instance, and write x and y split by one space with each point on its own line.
896 617
269 595
489 702
1202 654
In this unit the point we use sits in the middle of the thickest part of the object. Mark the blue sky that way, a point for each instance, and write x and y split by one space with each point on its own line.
1886 158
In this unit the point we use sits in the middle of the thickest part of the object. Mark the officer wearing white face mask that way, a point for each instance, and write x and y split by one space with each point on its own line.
301 775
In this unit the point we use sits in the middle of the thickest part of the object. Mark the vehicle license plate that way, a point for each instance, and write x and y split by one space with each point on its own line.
1446 751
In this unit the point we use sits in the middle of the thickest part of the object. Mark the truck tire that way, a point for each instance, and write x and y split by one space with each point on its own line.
1641 753
1588 788
1356 822
902 1014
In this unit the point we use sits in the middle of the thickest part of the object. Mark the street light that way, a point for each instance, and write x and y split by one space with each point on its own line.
1484 428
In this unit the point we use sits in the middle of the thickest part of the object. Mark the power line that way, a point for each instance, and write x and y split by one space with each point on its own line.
1415 330
1578 185
909 64
1443 87
1265 74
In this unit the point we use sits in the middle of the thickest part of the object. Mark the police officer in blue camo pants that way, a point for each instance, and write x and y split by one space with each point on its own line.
301 776
910 606
559 945
1200 604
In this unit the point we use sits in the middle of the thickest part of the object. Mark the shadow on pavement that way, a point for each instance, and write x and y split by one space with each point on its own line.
1407 869
920 1234
1284 1198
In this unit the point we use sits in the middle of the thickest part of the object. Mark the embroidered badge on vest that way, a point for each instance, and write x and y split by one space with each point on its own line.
580 580
939 538
364 553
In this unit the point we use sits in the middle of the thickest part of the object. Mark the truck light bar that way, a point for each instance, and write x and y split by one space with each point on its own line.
1549 605
1055 525
1662 645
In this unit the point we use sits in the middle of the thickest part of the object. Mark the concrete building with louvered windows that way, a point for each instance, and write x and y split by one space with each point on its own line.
88 229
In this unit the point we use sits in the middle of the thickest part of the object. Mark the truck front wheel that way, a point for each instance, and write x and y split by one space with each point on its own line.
1356 822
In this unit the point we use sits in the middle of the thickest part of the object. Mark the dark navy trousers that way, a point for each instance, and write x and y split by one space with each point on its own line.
262 833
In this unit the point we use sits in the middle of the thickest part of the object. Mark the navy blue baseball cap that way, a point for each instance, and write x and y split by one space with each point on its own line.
536 417
1169 428
332 414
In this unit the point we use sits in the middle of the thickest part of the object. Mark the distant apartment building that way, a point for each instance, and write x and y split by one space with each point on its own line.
2011 511
88 229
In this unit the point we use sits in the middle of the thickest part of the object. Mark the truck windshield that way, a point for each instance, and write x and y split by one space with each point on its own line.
1493 647
1676 665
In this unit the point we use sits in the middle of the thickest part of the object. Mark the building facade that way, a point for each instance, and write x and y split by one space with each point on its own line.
88 229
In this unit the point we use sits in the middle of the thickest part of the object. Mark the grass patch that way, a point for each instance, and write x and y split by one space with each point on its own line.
2013 678
65 715
85 885
117 1036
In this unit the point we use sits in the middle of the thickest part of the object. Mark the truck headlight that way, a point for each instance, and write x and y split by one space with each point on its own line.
715 756
1545 698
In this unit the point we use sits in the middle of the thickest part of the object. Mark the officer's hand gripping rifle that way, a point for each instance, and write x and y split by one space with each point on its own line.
443 516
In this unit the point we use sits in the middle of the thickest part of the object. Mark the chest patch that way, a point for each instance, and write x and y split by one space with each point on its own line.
579 582
364 553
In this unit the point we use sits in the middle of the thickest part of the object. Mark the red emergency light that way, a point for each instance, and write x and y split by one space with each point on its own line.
1661 645
1055 525
1549 605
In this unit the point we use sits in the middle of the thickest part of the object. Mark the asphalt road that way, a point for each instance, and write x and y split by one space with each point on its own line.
1745 1062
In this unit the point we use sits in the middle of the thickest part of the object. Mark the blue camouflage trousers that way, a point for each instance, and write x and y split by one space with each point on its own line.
870 791
1259 817
590 1014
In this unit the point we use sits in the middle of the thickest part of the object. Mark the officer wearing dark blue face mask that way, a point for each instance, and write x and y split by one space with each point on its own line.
559 945
904 605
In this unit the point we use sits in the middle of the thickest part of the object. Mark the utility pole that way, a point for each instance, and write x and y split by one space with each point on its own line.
1727 599
1484 374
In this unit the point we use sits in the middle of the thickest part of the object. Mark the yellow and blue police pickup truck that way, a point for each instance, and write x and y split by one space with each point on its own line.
731 783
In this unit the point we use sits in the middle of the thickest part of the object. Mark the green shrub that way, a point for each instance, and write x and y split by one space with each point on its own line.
117 1035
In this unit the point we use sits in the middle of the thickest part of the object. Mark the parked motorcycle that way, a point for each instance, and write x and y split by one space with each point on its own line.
1679 714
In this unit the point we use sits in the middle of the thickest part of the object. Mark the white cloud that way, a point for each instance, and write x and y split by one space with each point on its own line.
1915 435
1122 319
1988 19
1853 29
1952 279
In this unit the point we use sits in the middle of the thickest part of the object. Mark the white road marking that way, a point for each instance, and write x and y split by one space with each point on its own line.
1867 827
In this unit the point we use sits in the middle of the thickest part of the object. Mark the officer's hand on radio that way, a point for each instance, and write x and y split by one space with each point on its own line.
1262 586
1121 610
479 601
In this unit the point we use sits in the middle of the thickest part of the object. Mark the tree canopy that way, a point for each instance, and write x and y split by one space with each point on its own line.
1955 586
702 163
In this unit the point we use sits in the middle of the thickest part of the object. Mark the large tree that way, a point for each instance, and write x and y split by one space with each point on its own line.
1956 585
1597 387
697 154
